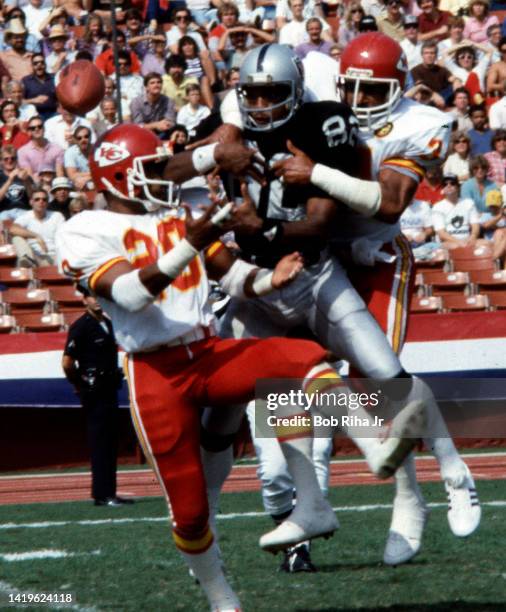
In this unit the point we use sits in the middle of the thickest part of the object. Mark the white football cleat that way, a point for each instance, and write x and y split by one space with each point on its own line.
303 524
402 436
406 530
226 601
464 510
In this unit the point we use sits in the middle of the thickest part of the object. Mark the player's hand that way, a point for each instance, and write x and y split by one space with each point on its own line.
239 160
202 232
224 134
296 169
245 219
286 270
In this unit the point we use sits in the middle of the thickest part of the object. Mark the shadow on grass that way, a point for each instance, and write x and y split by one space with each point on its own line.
460 606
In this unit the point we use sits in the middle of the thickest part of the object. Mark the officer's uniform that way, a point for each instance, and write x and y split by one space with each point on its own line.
91 343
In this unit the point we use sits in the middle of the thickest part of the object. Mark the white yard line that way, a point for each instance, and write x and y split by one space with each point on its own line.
500 503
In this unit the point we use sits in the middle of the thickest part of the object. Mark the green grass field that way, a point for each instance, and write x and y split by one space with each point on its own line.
132 565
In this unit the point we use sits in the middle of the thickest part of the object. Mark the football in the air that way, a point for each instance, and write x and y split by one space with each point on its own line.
81 87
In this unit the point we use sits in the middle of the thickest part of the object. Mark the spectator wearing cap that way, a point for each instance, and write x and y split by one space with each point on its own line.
433 22
455 219
39 152
174 83
60 128
16 59
40 87
493 224
477 187
316 42
59 56
32 43
105 61
367 24
480 134
391 23
497 112
76 159
497 158
60 194
458 161
410 44
437 78
479 20
154 110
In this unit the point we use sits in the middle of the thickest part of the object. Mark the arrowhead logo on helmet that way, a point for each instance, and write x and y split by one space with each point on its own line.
109 153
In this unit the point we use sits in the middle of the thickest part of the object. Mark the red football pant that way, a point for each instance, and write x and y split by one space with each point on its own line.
167 389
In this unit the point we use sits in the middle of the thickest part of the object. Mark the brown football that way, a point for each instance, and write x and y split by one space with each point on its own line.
81 87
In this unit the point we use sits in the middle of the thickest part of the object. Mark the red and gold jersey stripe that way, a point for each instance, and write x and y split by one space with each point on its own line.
102 270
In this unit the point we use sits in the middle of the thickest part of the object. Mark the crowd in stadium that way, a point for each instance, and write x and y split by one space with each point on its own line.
177 59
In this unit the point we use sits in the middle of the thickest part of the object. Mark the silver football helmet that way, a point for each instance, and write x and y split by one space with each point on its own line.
274 74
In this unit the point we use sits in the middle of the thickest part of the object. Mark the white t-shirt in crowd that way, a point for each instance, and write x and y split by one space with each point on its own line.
415 218
45 228
456 219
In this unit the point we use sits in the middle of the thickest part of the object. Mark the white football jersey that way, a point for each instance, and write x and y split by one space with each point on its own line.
415 137
91 242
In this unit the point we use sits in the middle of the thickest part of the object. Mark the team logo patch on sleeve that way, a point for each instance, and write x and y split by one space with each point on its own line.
384 130
109 153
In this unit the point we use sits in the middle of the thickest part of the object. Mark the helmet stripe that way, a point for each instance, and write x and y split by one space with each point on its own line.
261 57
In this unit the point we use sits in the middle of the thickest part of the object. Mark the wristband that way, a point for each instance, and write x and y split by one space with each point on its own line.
176 260
203 158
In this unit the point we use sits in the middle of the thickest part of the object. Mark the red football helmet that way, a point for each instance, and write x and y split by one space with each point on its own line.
119 161
373 59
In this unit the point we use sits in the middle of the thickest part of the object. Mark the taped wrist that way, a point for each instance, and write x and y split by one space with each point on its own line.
362 196
233 281
176 260
262 283
130 293
203 158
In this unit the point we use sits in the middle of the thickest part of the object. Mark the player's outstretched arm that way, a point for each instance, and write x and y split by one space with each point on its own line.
134 289
232 157
385 199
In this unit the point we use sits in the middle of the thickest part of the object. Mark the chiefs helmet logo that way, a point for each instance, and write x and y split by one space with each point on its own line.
109 153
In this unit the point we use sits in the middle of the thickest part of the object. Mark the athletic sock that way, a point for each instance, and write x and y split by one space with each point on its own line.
217 466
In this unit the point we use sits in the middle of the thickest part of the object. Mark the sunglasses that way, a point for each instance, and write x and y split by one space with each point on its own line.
411 26
182 18
454 183
38 62
8 158
41 199
461 141
357 10
32 128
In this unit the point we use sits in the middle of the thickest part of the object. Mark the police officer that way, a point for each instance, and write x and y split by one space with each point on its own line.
90 363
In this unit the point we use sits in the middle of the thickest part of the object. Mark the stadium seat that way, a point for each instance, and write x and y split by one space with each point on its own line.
431 303
471 252
470 258
438 259
444 283
488 280
16 277
497 300
7 324
7 255
470 265
39 322
457 302
49 275
67 296
25 299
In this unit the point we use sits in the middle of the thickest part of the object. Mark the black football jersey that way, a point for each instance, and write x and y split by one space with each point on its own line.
327 133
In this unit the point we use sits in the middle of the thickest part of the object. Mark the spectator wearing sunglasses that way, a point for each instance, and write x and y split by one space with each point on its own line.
457 162
15 185
348 30
392 22
39 152
462 61
410 44
40 88
76 157
182 19
455 219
